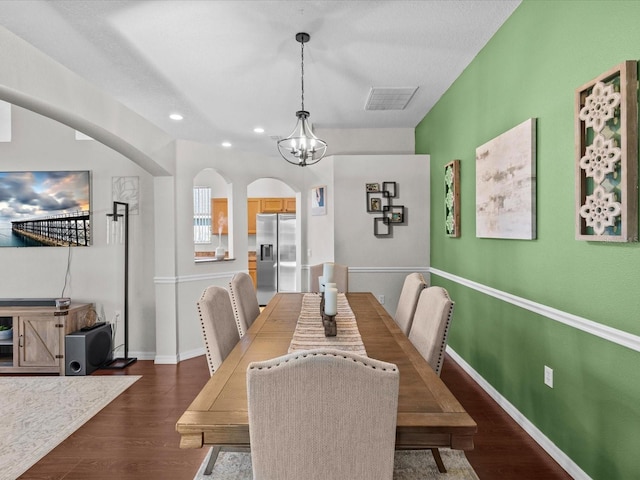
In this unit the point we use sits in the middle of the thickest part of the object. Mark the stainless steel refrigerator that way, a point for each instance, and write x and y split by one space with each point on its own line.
275 255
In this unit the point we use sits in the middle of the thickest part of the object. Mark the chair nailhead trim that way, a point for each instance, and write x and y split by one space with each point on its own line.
305 355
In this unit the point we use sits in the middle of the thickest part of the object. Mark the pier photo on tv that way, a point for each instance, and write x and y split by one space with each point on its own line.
45 209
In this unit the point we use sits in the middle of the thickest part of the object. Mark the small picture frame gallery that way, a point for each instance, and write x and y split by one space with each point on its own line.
379 200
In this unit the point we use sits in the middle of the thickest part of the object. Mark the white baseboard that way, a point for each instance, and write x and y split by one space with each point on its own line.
165 359
138 355
558 455
174 359
192 354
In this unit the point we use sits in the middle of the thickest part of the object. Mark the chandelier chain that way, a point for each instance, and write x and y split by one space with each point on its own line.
302 76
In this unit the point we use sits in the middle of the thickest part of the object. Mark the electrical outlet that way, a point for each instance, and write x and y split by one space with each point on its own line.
381 299
548 376
308 252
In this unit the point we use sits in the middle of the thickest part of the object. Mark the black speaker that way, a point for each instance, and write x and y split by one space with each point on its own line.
87 350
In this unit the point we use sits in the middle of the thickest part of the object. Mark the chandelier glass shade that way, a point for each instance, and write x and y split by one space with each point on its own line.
302 147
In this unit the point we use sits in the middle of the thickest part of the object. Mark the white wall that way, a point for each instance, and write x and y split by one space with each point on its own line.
269 187
97 274
163 318
166 282
368 141
169 307
379 264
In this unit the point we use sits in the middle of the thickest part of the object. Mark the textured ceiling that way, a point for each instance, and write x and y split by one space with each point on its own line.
231 66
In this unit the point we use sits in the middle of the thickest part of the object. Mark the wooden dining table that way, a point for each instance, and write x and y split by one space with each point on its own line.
429 416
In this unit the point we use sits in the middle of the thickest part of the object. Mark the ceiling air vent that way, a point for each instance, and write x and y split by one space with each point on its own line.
389 98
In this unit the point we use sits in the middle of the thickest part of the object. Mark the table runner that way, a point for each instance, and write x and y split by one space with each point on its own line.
309 332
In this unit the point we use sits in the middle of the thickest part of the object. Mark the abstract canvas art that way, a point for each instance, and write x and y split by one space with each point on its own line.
506 184
319 200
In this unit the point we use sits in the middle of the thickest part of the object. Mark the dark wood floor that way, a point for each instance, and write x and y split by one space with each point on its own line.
503 450
134 437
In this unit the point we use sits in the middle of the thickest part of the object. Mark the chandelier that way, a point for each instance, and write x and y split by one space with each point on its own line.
302 147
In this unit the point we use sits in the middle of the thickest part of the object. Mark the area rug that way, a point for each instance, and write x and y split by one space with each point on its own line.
409 465
40 412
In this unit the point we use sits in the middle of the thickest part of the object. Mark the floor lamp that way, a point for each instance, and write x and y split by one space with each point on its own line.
114 217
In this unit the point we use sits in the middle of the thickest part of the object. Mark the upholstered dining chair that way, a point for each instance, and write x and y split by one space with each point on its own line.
429 332
414 283
340 277
220 334
243 301
322 414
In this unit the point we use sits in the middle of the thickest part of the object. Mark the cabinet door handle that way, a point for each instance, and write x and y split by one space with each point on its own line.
20 341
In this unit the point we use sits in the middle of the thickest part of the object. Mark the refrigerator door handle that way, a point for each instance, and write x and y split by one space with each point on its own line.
266 252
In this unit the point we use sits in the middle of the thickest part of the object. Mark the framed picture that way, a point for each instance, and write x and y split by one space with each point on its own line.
389 189
127 190
319 200
606 164
374 201
373 187
452 198
45 209
394 213
381 227
506 184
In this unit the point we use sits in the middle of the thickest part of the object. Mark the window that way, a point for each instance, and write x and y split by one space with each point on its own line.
201 214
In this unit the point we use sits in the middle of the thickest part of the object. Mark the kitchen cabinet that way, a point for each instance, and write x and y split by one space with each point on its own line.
253 208
271 205
219 214
278 205
219 209
290 205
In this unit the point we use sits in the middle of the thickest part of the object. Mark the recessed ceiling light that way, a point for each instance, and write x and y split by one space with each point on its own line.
258 130
176 116
226 144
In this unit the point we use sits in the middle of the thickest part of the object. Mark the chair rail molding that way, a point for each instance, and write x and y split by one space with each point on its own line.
614 335
388 269
195 278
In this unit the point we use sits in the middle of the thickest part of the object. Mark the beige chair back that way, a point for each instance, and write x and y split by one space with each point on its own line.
322 414
340 277
414 283
431 325
219 328
243 301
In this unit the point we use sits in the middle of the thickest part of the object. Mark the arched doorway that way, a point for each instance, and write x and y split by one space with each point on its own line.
274 245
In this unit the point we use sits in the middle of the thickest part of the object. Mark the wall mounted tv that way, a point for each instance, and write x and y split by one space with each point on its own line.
45 209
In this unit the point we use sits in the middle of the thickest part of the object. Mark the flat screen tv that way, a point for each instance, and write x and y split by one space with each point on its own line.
45 209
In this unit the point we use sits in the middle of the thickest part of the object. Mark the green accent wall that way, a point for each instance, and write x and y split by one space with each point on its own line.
531 68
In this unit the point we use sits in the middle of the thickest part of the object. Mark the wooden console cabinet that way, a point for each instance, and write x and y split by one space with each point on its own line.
38 340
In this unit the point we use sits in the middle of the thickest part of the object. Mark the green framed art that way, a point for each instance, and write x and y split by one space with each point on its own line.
452 198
